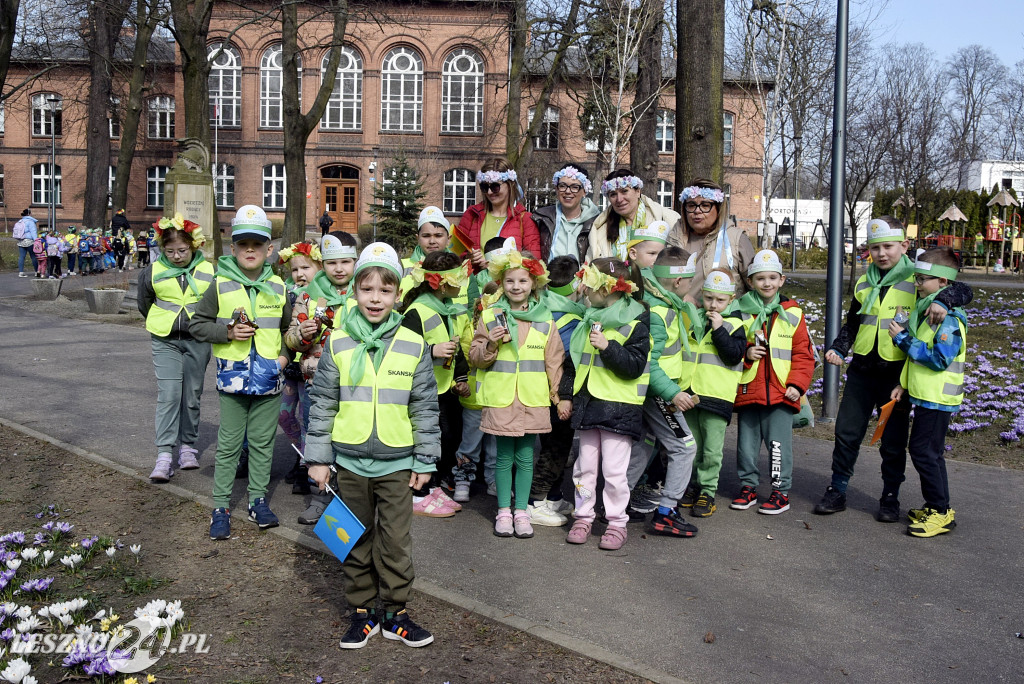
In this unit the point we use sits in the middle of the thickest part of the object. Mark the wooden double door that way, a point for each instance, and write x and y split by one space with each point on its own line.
339 188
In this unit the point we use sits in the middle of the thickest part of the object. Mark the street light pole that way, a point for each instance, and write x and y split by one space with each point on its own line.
796 198
52 101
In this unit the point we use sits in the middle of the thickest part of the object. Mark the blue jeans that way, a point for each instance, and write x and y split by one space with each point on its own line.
468 455
22 251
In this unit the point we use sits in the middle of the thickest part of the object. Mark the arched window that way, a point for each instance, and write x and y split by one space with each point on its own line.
41 184
224 185
401 91
459 190
345 107
161 118
225 86
665 133
155 176
462 93
273 186
727 133
547 134
272 85
44 121
665 193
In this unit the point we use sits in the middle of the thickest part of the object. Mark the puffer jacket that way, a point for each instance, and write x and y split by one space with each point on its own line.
519 225
766 389
628 361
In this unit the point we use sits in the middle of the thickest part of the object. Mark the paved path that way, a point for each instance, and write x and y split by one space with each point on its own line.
793 597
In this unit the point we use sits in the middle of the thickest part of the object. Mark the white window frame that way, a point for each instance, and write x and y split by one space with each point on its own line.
344 110
401 91
274 184
552 117
459 191
155 178
728 120
462 92
272 87
2 118
111 178
224 185
225 85
160 122
2 198
41 184
43 119
113 120
665 191
665 131
539 193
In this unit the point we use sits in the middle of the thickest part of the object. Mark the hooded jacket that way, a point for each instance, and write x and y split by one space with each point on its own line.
519 225
545 218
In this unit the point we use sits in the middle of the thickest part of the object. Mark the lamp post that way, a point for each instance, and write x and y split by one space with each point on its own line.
52 101
796 198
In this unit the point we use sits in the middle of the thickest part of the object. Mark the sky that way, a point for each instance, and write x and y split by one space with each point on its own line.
947 25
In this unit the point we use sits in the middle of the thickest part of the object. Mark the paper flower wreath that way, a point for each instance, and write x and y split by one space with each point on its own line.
595 279
455 277
515 259
304 248
181 223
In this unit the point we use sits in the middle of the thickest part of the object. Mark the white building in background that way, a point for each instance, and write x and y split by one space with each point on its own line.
808 213
983 175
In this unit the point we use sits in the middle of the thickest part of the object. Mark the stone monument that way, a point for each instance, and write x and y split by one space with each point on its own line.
188 188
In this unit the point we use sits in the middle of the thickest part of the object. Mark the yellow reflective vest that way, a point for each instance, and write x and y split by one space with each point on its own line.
381 398
874 324
780 344
267 315
945 387
603 383
171 298
435 331
508 377
711 377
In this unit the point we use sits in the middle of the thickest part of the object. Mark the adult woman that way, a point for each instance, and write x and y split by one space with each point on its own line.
565 226
500 214
702 232
168 291
26 231
627 210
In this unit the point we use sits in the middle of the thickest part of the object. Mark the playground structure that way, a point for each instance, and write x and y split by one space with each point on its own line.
1000 246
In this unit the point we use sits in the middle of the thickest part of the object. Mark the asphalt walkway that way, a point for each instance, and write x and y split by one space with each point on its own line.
793 597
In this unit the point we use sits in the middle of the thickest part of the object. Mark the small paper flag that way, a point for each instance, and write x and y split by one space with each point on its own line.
883 418
338 528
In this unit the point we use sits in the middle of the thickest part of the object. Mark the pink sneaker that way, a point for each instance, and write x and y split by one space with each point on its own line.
613 538
430 507
521 522
579 532
188 458
503 524
442 498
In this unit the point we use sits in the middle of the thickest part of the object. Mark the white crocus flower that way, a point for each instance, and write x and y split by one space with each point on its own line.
29 679
47 557
135 548
29 624
111 550
16 671
23 612
14 563
29 554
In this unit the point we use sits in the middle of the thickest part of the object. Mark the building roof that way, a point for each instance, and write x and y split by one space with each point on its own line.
161 51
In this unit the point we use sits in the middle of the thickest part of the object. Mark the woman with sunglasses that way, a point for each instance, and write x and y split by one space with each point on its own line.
565 225
703 232
628 209
501 214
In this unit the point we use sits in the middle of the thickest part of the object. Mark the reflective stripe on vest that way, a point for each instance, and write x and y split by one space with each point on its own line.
231 296
874 324
603 383
944 387
436 332
381 398
671 360
508 378
780 345
171 298
711 377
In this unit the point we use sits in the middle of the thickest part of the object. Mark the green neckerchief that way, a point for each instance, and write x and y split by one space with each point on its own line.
903 270
920 307
557 303
175 271
624 310
751 303
534 313
674 301
447 309
369 339
227 266
321 286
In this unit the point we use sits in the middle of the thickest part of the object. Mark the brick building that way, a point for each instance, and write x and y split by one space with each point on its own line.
431 85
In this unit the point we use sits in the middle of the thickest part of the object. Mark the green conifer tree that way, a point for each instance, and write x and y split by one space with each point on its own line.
397 205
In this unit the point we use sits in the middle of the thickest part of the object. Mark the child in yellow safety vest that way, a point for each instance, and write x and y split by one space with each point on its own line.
603 388
430 310
374 414
933 377
245 315
518 352
884 293
721 342
169 290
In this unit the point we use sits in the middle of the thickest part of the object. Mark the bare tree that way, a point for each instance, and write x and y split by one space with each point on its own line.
976 75
643 144
1010 128
8 23
700 68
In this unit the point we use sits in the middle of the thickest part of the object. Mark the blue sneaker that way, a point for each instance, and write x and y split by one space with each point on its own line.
260 513
220 524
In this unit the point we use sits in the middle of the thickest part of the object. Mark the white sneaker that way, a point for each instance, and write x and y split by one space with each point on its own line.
492 489
461 491
541 515
22 275
562 506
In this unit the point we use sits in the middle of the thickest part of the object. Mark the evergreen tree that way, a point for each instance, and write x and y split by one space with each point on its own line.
397 205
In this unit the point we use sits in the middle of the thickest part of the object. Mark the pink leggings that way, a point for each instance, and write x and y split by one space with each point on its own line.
611 450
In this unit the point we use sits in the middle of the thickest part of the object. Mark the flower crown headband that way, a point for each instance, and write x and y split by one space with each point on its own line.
303 248
621 183
695 191
496 176
179 222
514 259
572 173
455 277
590 276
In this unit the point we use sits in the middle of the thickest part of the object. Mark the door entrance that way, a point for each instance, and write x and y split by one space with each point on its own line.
339 188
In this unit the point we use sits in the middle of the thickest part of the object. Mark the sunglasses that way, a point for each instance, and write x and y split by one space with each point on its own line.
490 187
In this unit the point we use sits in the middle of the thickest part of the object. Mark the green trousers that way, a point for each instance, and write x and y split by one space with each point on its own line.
244 415
180 367
709 432
380 564
516 451
772 425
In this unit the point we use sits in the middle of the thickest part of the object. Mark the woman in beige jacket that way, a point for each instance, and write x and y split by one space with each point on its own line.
627 209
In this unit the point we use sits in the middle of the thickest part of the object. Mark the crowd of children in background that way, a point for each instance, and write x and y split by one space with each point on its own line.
409 375
89 251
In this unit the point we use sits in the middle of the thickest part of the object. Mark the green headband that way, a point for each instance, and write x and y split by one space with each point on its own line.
664 271
935 270
564 290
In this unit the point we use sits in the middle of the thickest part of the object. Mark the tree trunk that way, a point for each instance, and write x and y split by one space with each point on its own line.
700 25
147 16
8 22
298 126
643 143
517 72
105 22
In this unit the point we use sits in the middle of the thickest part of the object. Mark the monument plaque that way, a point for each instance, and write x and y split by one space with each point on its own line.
188 189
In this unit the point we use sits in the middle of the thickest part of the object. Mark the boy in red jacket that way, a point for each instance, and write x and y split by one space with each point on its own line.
777 372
